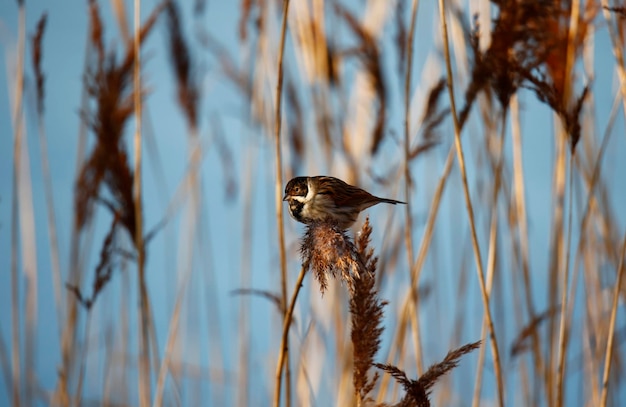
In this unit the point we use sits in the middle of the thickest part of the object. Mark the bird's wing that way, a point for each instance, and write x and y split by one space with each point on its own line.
344 194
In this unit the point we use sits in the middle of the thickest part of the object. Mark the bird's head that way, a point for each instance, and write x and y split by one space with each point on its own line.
296 189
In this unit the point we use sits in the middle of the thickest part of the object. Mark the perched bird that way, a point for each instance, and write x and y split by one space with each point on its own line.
327 198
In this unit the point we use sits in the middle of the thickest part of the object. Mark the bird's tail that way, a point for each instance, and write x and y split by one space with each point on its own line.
391 201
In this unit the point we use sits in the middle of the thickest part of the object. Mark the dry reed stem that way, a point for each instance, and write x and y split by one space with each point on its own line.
522 221
408 228
563 334
284 343
278 189
556 250
611 334
16 378
592 182
171 339
249 190
84 352
144 340
491 256
595 176
470 211
119 11
569 64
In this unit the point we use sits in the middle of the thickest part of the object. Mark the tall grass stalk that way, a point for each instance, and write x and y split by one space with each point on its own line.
611 333
470 211
284 342
16 376
563 325
522 225
563 334
492 254
408 226
283 351
144 314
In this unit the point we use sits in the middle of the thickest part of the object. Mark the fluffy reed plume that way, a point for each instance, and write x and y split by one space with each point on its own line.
530 42
366 310
329 252
108 81
417 391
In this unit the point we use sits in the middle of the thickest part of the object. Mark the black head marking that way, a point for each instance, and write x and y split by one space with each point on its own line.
298 186
295 209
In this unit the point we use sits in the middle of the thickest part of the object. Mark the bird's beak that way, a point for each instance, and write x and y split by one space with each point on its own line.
285 198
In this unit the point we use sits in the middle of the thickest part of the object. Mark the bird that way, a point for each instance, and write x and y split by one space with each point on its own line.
325 198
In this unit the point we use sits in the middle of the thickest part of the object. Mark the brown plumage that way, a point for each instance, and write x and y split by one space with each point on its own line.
324 198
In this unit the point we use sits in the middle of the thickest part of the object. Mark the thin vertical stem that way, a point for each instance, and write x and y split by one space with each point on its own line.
522 224
470 210
611 337
569 65
144 342
564 281
17 148
284 343
408 229
83 360
283 358
491 257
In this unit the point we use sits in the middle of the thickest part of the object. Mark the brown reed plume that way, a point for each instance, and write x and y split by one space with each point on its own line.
417 391
366 310
331 254
529 44
108 81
